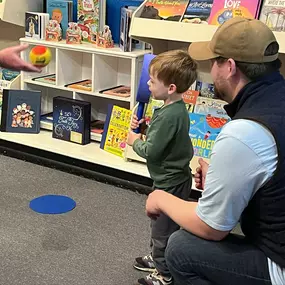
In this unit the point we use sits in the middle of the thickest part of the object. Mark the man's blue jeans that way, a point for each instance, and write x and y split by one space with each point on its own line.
233 261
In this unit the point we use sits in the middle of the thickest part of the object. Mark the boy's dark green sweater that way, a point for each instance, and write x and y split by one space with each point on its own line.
168 148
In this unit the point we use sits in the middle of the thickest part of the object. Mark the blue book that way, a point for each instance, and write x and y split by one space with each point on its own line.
203 132
62 12
21 111
198 9
71 120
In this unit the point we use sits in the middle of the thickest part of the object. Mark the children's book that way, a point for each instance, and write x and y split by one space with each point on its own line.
198 11
49 79
224 10
71 120
210 106
21 111
88 17
190 98
204 130
272 14
81 85
116 130
97 127
47 121
164 10
62 12
121 91
32 25
206 89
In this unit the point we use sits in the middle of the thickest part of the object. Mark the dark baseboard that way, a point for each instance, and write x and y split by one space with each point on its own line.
100 173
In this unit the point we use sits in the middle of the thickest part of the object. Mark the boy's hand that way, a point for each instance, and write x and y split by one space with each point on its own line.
135 122
200 174
132 137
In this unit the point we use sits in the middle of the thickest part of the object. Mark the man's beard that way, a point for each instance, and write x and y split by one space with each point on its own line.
218 94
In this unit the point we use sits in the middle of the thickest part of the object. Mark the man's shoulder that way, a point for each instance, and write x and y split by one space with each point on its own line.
251 134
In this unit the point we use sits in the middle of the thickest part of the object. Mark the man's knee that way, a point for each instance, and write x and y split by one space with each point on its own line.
181 248
175 247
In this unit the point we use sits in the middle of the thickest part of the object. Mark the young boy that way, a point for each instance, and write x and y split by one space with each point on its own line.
167 150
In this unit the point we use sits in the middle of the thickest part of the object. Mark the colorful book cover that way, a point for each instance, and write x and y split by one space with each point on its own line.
164 10
272 14
224 10
151 106
190 98
60 11
116 130
198 9
21 111
210 106
206 89
32 25
71 120
204 130
88 17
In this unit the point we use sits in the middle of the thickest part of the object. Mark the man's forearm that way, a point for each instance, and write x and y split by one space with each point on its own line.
184 214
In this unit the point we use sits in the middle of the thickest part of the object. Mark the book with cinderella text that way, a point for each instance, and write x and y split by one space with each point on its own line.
204 130
116 130
224 10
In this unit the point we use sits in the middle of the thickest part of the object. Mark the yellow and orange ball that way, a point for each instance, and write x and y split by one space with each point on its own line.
40 56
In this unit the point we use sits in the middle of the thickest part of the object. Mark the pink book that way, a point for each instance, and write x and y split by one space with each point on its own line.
224 10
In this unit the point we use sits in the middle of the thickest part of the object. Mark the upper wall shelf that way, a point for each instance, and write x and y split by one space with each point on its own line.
160 33
13 11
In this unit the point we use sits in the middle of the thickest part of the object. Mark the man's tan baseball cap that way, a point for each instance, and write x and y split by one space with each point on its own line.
241 39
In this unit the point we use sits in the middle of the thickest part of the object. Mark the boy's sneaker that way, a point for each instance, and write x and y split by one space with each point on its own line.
155 279
145 263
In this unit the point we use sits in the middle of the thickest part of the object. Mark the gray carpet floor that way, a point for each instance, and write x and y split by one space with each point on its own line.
95 244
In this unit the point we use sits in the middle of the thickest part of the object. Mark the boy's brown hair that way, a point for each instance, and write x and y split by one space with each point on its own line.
175 67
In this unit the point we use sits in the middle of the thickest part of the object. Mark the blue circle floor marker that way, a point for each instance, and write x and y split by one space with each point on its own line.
52 204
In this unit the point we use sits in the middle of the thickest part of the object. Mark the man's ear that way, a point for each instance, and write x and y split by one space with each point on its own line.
172 89
232 67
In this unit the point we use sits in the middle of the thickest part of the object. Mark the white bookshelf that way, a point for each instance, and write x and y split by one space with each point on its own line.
106 68
89 153
163 35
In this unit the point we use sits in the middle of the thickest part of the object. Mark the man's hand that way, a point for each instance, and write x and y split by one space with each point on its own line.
10 58
152 208
200 174
132 137
135 122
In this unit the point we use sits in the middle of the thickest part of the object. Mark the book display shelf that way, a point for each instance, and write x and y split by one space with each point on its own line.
166 35
107 68
72 63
